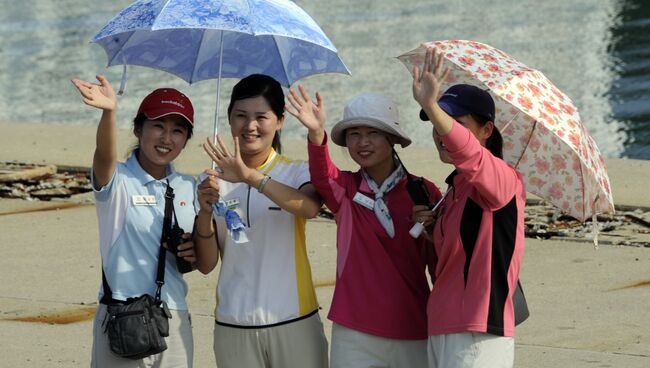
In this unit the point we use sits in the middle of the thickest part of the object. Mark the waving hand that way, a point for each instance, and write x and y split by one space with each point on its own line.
427 85
311 114
233 167
99 95
428 81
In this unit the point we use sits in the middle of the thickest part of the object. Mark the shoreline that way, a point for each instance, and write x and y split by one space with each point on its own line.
73 145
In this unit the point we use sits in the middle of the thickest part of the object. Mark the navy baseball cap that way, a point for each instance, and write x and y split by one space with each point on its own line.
463 99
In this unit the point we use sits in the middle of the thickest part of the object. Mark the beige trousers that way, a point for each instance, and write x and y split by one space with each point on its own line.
471 350
179 353
296 344
354 349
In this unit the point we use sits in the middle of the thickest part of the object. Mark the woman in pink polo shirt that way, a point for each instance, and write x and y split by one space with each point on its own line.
478 233
379 302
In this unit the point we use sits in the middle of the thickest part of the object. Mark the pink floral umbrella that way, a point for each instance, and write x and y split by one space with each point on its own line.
543 135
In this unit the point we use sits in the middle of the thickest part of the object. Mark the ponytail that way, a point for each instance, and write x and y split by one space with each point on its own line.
494 143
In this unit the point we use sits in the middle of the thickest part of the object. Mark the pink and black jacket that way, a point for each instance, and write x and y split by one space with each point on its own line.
479 242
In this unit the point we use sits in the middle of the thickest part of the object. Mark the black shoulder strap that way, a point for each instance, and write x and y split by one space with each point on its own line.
167 225
108 294
160 273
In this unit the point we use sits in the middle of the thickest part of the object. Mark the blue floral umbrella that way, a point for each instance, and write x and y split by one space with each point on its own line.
210 39
207 39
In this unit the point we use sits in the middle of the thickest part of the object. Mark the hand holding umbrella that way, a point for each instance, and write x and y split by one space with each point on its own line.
208 190
232 167
233 170
423 218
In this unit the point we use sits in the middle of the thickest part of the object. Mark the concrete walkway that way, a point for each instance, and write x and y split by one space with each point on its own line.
589 308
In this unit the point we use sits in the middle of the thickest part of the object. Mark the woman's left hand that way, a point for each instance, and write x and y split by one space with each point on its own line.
423 215
233 168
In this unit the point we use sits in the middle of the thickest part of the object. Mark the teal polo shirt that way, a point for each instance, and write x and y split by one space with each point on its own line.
130 212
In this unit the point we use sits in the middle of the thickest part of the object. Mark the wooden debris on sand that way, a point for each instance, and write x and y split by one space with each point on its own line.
627 226
42 181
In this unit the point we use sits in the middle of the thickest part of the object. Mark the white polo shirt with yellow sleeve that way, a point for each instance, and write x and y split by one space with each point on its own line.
266 281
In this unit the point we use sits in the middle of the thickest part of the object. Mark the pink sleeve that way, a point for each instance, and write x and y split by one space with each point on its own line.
328 180
494 179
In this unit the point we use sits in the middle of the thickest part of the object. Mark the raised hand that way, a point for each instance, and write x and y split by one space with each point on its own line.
428 81
233 167
311 115
101 96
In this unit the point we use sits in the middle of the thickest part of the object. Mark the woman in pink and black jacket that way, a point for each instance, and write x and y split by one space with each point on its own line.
478 233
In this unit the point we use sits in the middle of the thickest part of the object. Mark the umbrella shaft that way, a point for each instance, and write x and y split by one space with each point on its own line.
216 113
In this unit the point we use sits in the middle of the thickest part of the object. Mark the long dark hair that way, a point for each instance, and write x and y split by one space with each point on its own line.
494 143
261 85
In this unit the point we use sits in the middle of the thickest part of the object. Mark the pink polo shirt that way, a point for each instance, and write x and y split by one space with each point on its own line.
381 284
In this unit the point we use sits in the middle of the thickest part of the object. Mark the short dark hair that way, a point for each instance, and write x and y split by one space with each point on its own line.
261 85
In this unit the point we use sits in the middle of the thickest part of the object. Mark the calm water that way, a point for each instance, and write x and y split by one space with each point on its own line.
596 51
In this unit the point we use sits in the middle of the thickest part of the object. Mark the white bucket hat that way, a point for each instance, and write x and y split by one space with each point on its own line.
372 110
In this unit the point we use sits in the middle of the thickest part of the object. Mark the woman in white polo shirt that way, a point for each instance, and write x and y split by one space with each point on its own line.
130 201
267 312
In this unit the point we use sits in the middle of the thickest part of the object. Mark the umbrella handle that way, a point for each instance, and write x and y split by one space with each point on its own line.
122 82
416 230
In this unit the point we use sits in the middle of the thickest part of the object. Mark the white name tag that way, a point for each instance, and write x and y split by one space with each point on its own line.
144 200
361 199
232 203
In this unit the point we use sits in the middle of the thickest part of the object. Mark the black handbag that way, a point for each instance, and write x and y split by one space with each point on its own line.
136 328
520 305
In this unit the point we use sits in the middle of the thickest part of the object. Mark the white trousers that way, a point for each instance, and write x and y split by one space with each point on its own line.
354 349
179 353
471 350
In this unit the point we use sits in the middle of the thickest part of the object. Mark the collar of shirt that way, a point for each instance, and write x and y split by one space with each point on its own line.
143 176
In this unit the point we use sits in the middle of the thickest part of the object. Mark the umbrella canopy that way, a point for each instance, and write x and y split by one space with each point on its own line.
543 135
204 39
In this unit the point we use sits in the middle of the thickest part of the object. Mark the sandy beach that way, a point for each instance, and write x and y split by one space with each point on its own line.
588 307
